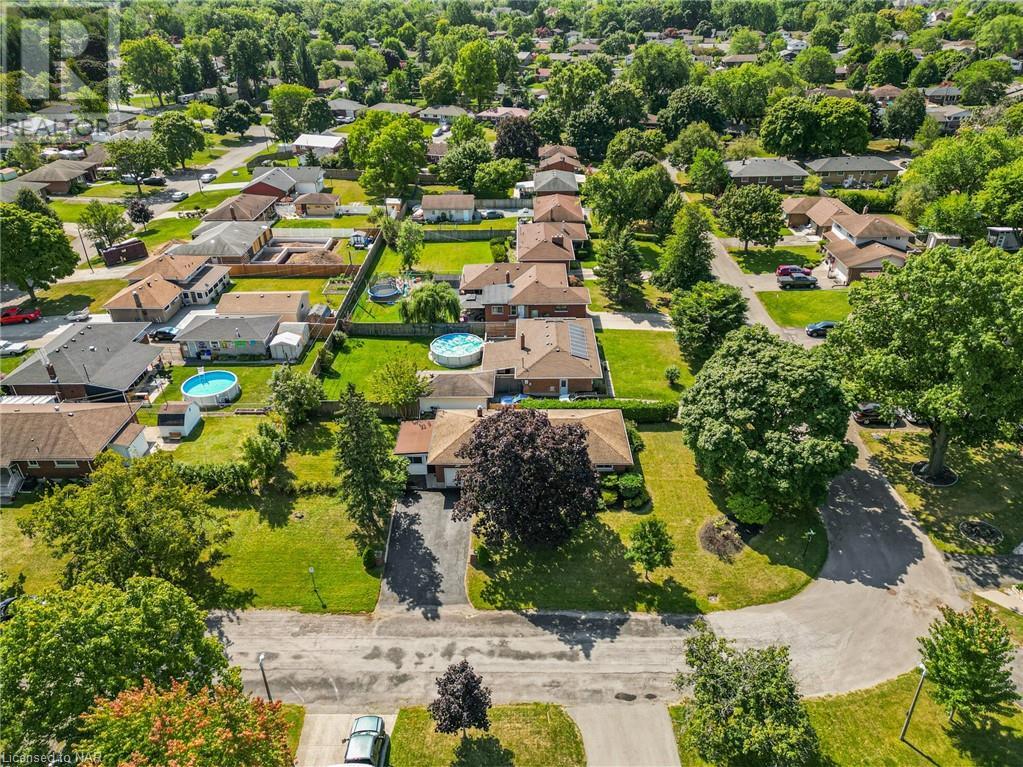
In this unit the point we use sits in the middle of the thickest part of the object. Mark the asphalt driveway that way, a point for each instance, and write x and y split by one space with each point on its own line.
427 555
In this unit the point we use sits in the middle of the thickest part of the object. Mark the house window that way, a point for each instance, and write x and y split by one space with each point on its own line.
561 308
65 464
605 467
416 459
498 310
33 464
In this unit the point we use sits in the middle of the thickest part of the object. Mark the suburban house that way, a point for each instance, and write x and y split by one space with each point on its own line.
449 206
175 420
444 113
496 114
884 95
777 172
245 207
319 204
99 362
62 440
395 109
227 242
738 59
547 357
1004 237
544 242
462 390
346 109
200 281
560 161
285 182
431 446
501 292
816 212
285 305
554 182
436 150
558 207
220 336
949 117
944 94
548 150
9 190
860 244
855 170
153 299
60 176
320 144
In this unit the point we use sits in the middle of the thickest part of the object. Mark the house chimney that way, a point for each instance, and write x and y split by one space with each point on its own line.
51 372
479 411
136 299
507 277
522 341
866 208
234 216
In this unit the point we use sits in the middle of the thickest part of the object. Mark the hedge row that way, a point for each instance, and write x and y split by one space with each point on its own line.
636 410
877 200
236 479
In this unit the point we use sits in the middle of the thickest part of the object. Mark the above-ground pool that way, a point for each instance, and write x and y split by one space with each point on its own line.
456 350
211 388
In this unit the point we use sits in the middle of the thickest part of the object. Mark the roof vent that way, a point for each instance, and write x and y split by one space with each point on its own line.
92 348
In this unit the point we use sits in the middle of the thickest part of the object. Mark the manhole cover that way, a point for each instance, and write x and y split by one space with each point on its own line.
981 532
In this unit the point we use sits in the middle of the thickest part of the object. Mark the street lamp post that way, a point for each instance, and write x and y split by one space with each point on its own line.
312 576
85 250
912 706
808 536
266 684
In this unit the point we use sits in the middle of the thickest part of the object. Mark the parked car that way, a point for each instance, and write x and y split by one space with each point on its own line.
368 742
438 132
128 178
797 280
166 333
786 269
490 215
12 315
207 178
819 329
867 413
12 348
417 215
179 196
911 417
80 315
154 181
5 609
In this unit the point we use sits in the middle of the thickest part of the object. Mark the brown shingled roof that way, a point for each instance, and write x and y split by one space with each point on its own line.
153 293
65 432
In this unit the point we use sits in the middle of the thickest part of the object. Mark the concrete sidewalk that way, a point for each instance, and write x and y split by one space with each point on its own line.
623 734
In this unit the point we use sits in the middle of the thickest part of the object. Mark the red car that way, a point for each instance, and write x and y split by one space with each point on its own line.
15 314
786 270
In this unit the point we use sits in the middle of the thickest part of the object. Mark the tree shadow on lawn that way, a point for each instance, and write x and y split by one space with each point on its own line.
311 439
766 260
274 508
482 751
988 742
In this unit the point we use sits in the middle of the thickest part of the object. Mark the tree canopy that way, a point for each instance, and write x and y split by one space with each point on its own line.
702 315
36 251
752 213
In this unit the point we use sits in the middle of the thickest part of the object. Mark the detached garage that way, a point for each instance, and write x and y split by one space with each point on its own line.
457 391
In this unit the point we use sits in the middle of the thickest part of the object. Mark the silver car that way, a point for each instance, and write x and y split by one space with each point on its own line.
368 743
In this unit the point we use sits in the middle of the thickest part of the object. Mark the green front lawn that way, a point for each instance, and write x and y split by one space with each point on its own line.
114 189
278 538
990 488
798 308
162 230
440 257
67 297
69 211
294 715
638 358
644 301
314 285
360 358
524 735
862 729
7 364
206 200
766 260
591 572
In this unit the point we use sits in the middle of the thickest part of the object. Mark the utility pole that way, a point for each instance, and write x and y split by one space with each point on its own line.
912 706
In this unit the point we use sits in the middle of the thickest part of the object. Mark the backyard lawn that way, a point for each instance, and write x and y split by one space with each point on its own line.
440 257
798 308
591 572
253 379
862 728
524 735
638 301
990 488
347 191
766 260
314 285
161 230
66 297
216 438
637 359
506 223
649 250
21 554
205 200
359 359
370 311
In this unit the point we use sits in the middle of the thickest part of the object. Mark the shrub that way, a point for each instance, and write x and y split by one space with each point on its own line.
812 185
672 374
638 502
483 557
636 410
721 538
609 498
369 558
340 339
630 485
499 251
749 510
609 481
220 478
879 201
636 442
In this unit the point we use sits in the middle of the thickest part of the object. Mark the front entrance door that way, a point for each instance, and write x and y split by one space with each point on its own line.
563 387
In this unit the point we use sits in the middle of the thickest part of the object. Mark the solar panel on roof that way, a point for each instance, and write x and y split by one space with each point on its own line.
577 342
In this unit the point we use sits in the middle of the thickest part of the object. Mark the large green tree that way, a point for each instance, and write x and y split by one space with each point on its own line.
952 355
743 706
707 172
815 65
691 104
394 156
371 476
149 63
790 126
752 213
1001 198
129 520
623 197
409 244
983 82
572 86
904 116
659 70
295 395
137 158
429 303
476 72
458 166
969 657
844 126
179 137
65 648
702 315
619 266
104 223
286 104
36 251
398 384
738 418
687 253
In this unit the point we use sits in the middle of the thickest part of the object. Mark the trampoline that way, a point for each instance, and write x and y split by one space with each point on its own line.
384 291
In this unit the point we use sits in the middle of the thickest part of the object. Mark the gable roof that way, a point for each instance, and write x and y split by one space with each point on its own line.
543 241
565 207
102 354
555 181
170 267
475 383
449 201
853 164
394 108
285 179
319 140
64 432
275 302
559 157
219 326
59 170
764 167
243 207
9 189
228 238
869 225
554 348
345 105
153 292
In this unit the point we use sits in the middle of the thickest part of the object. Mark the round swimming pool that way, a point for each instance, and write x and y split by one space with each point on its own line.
456 350
211 388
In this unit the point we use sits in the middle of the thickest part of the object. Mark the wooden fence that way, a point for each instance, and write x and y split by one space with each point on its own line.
465 234
292 270
431 330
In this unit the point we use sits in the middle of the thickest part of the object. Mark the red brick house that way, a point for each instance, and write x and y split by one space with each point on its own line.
501 292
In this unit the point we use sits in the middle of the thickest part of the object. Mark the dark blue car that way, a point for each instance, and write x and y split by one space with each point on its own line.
819 329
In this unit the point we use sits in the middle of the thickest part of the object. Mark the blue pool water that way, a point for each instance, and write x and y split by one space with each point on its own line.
456 344
209 384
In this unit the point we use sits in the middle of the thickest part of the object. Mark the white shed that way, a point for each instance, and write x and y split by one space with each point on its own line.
175 420
290 341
